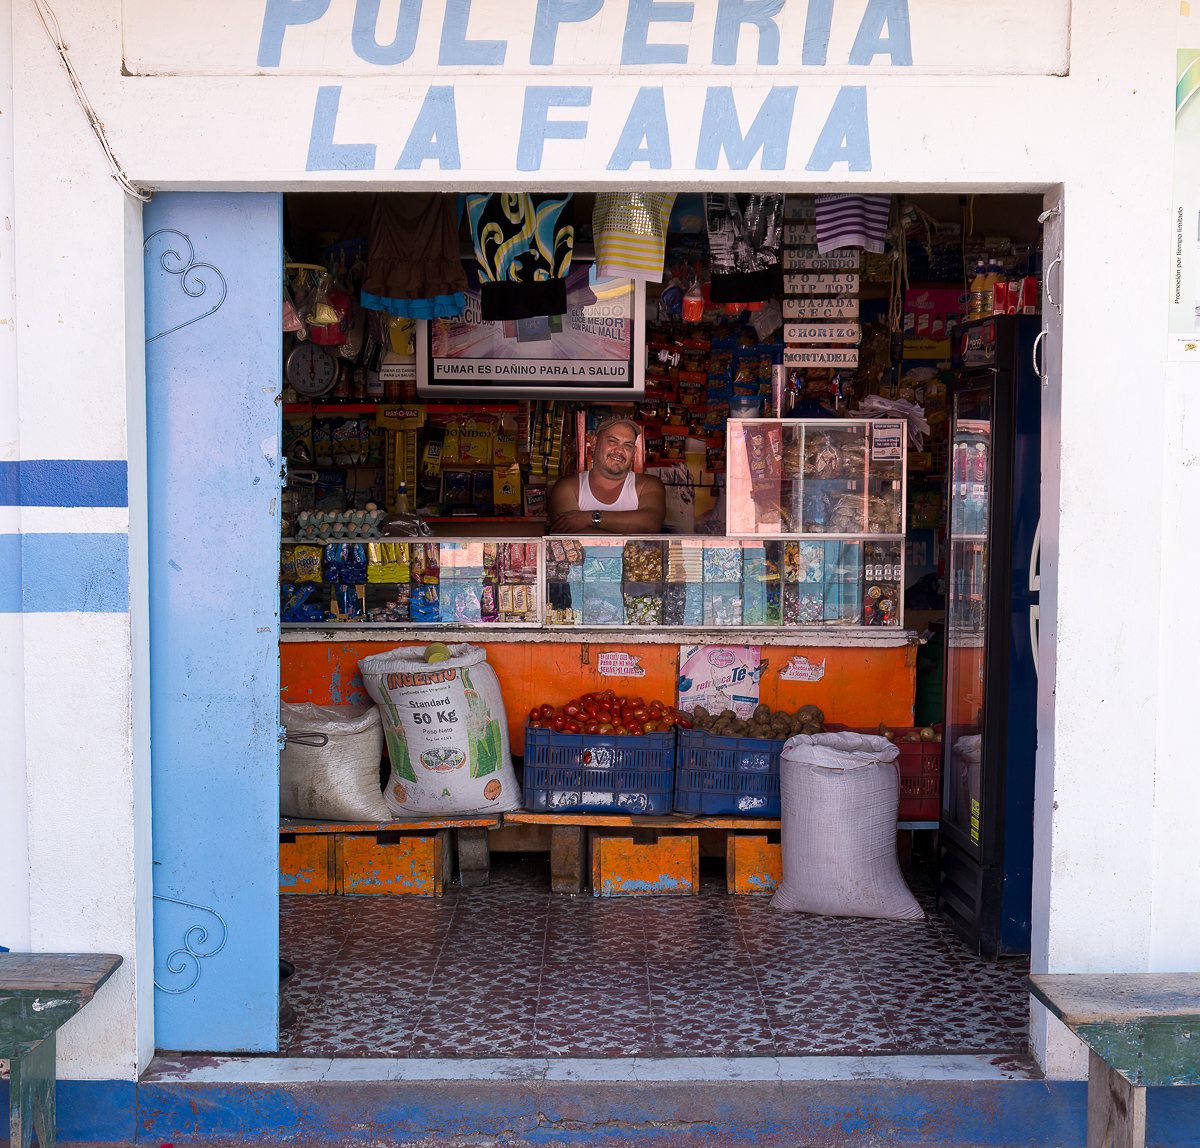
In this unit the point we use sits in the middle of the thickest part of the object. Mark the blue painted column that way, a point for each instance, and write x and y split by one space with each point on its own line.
213 321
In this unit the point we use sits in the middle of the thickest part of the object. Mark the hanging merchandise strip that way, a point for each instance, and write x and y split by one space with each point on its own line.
818 296
50 23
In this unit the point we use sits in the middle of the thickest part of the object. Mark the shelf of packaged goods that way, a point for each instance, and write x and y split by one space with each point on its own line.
876 637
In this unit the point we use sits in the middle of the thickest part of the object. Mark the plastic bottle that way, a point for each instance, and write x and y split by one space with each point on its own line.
978 288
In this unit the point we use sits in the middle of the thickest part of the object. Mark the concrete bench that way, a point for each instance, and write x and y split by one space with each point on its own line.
39 992
1141 1029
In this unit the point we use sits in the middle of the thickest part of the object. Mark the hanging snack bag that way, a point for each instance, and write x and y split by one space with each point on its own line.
329 314
446 731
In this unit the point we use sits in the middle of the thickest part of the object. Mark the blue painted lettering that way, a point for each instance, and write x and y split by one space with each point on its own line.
537 128
456 49
434 135
719 128
817 23
647 121
844 138
635 48
551 13
732 14
871 42
363 33
323 153
278 15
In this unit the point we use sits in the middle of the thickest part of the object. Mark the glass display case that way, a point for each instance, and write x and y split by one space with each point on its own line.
815 538
411 582
722 583
823 477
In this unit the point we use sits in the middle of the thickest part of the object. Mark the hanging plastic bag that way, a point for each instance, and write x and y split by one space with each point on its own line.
328 315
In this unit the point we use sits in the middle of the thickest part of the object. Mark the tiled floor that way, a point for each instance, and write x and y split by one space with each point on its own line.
511 970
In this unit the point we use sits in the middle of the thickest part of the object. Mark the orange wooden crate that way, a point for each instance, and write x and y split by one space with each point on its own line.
623 868
752 865
392 863
306 864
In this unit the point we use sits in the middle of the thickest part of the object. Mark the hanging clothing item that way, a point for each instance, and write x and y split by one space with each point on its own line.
414 269
852 221
744 247
523 246
629 230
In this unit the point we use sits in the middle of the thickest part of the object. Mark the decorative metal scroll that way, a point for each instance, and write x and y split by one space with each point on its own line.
188 956
191 278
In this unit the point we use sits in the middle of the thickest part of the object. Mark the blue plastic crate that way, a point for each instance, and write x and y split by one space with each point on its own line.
598 773
727 776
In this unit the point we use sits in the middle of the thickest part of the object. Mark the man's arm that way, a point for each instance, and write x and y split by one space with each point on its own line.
648 518
563 500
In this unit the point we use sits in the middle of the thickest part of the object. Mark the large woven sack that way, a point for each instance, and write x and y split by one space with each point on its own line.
840 793
446 731
338 781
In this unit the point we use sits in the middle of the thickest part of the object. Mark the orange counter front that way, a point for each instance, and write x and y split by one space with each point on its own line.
860 685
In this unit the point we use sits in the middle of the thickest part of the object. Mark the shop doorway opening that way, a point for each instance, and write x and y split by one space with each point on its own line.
512 968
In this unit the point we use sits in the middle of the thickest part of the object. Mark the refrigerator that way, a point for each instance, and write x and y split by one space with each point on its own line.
989 735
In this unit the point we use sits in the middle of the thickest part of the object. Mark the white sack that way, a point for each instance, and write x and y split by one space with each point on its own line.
840 793
446 731
337 782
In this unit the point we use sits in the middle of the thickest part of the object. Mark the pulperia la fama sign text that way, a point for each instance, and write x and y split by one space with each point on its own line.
572 85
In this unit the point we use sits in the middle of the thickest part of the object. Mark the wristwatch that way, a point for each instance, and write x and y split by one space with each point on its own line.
597 515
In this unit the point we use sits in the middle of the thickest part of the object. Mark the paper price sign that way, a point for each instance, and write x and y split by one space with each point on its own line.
794 234
795 259
843 308
820 284
821 357
821 333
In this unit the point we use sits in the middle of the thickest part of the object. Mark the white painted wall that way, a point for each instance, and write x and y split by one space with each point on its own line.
1118 787
14 821
88 796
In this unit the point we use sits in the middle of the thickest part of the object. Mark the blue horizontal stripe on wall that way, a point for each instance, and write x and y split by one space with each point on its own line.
64 573
64 482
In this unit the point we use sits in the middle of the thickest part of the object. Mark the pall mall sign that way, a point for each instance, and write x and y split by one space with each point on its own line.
513 86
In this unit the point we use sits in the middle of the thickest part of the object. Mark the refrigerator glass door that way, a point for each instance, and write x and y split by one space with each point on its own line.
966 609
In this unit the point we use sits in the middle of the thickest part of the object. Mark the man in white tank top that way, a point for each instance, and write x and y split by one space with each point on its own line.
609 498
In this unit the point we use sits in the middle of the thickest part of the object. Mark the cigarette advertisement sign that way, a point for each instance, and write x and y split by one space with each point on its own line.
595 349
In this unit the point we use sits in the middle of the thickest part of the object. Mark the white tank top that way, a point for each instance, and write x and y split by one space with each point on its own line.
626 500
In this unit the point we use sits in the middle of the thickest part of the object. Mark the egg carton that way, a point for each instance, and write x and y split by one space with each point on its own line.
336 526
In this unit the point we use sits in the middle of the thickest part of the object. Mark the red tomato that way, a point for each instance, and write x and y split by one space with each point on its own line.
607 694
535 714
588 698
535 725
558 724
571 709
650 727
592 727
667 721
605 727
592 708
573 727
622 700
641 713
627 711
547 711
636 702
683 723
633 726
605 705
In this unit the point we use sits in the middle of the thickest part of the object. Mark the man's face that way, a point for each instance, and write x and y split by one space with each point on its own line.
613 455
